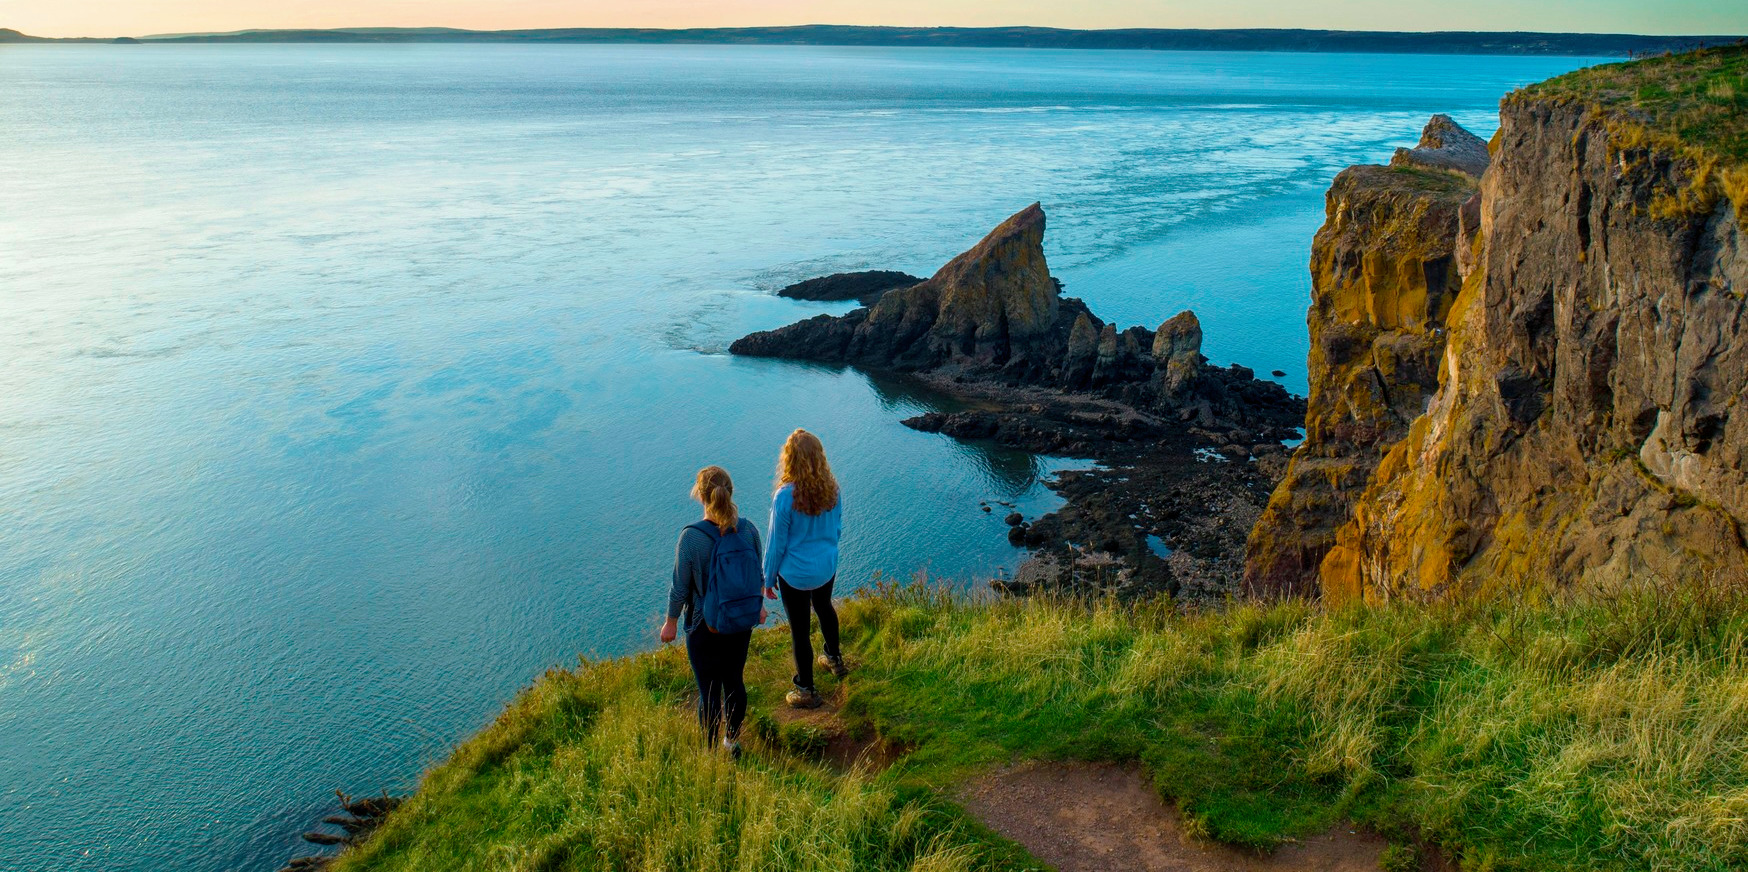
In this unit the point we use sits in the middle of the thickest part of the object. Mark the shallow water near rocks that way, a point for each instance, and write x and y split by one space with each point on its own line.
346 388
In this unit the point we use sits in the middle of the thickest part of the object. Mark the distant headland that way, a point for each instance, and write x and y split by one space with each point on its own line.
1386 42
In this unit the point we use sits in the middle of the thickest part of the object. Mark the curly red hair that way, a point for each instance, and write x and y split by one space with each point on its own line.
803 466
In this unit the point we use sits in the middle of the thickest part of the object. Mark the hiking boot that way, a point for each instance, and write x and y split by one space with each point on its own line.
732 747
803 698
834 664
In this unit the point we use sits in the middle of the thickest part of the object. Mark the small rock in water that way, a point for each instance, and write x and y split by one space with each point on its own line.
1279 373
1015 519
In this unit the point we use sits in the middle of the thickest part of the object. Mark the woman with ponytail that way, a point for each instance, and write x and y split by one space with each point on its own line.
717 577
802 564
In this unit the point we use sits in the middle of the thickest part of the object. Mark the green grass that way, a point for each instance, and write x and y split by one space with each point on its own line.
1700 97
1431 181
1604 735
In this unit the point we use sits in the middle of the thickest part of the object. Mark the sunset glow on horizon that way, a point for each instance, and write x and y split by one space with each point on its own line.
131 18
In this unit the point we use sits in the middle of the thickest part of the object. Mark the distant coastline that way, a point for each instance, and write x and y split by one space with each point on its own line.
1357 41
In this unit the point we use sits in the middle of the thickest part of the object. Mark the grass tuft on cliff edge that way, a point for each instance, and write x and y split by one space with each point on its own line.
1699 97
1600 735
1693 105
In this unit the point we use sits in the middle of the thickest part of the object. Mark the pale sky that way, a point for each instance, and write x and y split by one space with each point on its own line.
141 17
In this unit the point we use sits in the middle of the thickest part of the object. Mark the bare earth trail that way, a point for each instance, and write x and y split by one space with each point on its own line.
1082 817
1087 817
837 746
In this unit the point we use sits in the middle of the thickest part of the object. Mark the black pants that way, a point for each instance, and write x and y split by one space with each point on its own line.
800 605
719 661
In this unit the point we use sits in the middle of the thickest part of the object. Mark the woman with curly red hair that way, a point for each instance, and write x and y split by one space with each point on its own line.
801 563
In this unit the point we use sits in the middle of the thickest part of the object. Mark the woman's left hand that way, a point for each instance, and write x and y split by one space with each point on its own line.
763 614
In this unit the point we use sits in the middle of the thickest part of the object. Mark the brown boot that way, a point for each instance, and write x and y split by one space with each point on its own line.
803 698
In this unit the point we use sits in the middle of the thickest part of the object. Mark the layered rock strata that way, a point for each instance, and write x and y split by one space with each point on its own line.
1385 269
1445 145
1582 434
1585 431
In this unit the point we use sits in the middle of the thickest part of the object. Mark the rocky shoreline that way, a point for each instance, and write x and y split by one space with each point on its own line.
1167 508
1187 452
361 818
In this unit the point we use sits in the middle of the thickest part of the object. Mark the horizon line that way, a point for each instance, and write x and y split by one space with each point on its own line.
415 29
823 24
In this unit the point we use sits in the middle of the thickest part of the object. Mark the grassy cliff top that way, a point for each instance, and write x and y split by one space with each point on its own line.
1444 184
1608 736
1699 97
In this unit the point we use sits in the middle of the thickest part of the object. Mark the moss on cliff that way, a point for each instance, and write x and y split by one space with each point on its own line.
1581 432
1384 273
1699 98
1694 104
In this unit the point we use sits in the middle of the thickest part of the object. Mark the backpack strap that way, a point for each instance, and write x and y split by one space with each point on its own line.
708 528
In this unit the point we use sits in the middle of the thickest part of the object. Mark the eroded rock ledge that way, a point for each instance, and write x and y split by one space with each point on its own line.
863 287
1053 378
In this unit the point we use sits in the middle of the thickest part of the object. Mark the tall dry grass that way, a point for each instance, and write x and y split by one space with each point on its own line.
603 768
1608 733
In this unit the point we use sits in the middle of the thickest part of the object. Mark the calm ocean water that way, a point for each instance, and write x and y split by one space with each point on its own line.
344 389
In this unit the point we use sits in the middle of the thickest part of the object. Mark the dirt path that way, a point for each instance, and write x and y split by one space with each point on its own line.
1099 818
836 745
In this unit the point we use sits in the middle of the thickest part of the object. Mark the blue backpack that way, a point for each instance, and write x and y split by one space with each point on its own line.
734 586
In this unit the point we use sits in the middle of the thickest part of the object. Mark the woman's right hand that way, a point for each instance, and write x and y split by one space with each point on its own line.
770 593
670 630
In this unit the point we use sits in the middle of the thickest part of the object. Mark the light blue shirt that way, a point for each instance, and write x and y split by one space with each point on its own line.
803 548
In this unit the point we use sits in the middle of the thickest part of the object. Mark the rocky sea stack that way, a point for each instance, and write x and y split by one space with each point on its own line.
1053 378
995 315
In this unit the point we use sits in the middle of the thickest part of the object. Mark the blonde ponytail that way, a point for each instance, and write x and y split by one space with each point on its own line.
716 491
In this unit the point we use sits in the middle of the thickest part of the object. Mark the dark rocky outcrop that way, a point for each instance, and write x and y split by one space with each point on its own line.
995 314
989 308
864 287
1051 377
1384 272
361 817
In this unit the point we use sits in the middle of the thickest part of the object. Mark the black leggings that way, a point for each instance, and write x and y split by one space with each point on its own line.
799 605
719 662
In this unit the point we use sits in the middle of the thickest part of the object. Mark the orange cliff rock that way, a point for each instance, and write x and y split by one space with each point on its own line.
1385 269
1583 433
